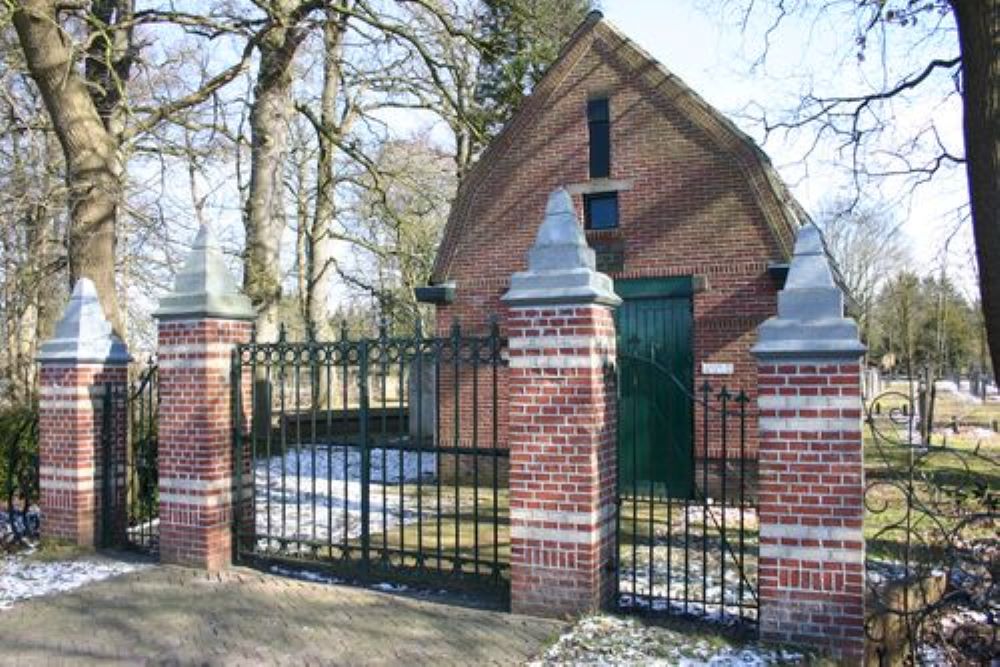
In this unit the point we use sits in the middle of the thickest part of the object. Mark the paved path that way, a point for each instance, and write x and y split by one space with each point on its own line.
173 616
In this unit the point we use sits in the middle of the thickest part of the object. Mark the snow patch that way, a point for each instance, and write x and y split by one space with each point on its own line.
605 640
22 578
313 493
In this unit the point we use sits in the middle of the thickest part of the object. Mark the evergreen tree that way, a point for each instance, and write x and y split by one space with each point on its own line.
520 39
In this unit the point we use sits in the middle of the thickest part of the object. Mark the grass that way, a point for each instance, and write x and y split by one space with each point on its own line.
444 541
924 500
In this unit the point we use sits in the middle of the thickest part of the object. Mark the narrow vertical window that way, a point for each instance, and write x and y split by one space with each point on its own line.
599 125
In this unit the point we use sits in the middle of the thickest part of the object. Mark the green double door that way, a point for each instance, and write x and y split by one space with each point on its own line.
655 360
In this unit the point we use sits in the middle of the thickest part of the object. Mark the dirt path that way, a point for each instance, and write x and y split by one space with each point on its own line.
174 616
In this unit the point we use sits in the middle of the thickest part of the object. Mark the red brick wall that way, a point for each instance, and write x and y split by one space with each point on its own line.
811 568
196 449
562 461
693 210
70 448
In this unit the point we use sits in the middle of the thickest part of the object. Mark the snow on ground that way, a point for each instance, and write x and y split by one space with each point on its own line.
314 492
22 577
697 570
605 640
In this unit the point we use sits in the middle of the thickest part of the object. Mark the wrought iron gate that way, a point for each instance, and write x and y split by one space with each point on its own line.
129 474
931 523
685 548
375 458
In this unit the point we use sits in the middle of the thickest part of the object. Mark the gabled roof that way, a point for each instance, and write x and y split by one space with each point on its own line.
780 209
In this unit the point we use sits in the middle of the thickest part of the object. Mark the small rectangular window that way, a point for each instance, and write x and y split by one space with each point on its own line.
600 211
599 126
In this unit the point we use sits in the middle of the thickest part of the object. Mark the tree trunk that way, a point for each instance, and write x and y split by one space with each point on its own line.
264 215
93 165
979 33
321 238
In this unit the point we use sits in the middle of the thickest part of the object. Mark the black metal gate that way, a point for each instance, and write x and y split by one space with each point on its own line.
688 550
376 458
129 471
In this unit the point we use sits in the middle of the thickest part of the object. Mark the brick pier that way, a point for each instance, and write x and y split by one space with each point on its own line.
78 365
562 423
199 324
812 549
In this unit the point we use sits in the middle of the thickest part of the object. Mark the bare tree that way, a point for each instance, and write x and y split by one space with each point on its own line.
82 57
868 246
856 122
286 26
395 226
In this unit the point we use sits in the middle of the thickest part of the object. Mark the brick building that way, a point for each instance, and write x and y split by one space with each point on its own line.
684 211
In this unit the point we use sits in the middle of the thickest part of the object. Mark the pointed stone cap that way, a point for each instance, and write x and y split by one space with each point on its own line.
561 267
84 335
204 287
810 320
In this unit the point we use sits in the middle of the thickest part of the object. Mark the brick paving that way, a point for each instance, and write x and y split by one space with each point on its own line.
176 616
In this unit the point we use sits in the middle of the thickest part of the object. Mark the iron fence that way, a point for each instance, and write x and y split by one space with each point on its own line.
931 525
686 545
129 463
377 458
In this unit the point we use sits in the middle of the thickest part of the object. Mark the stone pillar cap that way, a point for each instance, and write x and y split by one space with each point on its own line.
83 334
810 320
561 267
204 288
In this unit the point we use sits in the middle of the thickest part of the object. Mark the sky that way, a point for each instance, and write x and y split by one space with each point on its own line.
704 45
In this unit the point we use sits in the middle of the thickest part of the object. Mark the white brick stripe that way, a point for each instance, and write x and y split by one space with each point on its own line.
816 554
201 349
68 484
53 391
811 532
557 516
55 471
815 402
522 532
68 404
560 361
212 363
809 424
598 343
213 500
187 484
68 479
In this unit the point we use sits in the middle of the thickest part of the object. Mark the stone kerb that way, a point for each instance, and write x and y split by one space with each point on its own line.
811 472
561 423
199 324
82 360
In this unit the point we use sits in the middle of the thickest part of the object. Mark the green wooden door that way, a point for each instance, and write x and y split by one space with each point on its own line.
655 358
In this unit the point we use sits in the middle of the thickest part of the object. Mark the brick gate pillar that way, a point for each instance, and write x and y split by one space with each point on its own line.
812 548
199 324
82 360
562 423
